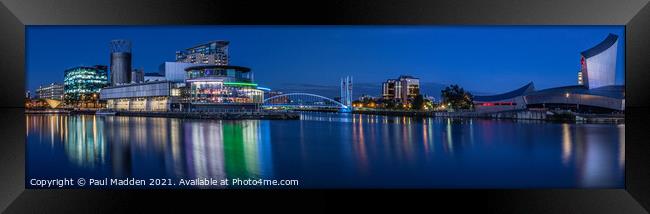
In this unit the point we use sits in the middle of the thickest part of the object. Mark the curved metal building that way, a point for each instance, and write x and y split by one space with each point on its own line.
577 97
596 92
120 62
598 64
512 100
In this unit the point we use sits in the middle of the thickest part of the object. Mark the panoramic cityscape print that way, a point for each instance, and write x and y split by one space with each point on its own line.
295 107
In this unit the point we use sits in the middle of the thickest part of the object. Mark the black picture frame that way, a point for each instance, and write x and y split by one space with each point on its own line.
634 15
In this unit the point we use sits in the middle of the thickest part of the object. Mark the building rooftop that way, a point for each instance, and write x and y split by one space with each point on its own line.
154 75
407 77
221 42
239 68
136 84
530 87
88 66
602 46
612 91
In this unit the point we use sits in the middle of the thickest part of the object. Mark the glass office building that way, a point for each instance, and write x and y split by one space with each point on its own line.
81 85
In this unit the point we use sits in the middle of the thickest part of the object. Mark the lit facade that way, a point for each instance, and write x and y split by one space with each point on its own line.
212 53
81 85
388 89
403 88
579 98
598 64
581 80
154 96
575 98
216 87
53 91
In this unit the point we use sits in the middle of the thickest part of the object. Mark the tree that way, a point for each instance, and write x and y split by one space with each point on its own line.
389 103
429 105
457 98
357 103
418 102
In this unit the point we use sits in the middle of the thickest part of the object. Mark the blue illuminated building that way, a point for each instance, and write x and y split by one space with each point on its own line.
81 85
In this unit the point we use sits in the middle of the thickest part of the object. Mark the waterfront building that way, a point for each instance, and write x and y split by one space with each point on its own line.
222 88
576 98
404 88
41 104
388 89
53 91
81 85
199 80
212 53
146 96
120 62
595 91
208 88
579 99
598 64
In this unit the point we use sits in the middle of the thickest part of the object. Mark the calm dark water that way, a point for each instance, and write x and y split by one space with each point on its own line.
329 150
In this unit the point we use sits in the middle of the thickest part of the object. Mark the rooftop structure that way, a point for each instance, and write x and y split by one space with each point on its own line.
212 53
120 62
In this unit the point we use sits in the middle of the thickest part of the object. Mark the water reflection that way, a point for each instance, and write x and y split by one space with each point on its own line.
359 143
332 149
566 143
144 147
621 147
597 159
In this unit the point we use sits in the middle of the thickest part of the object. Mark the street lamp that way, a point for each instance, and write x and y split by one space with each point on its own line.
567 99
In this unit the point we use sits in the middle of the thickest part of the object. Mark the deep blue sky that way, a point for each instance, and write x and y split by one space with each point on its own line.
479 58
